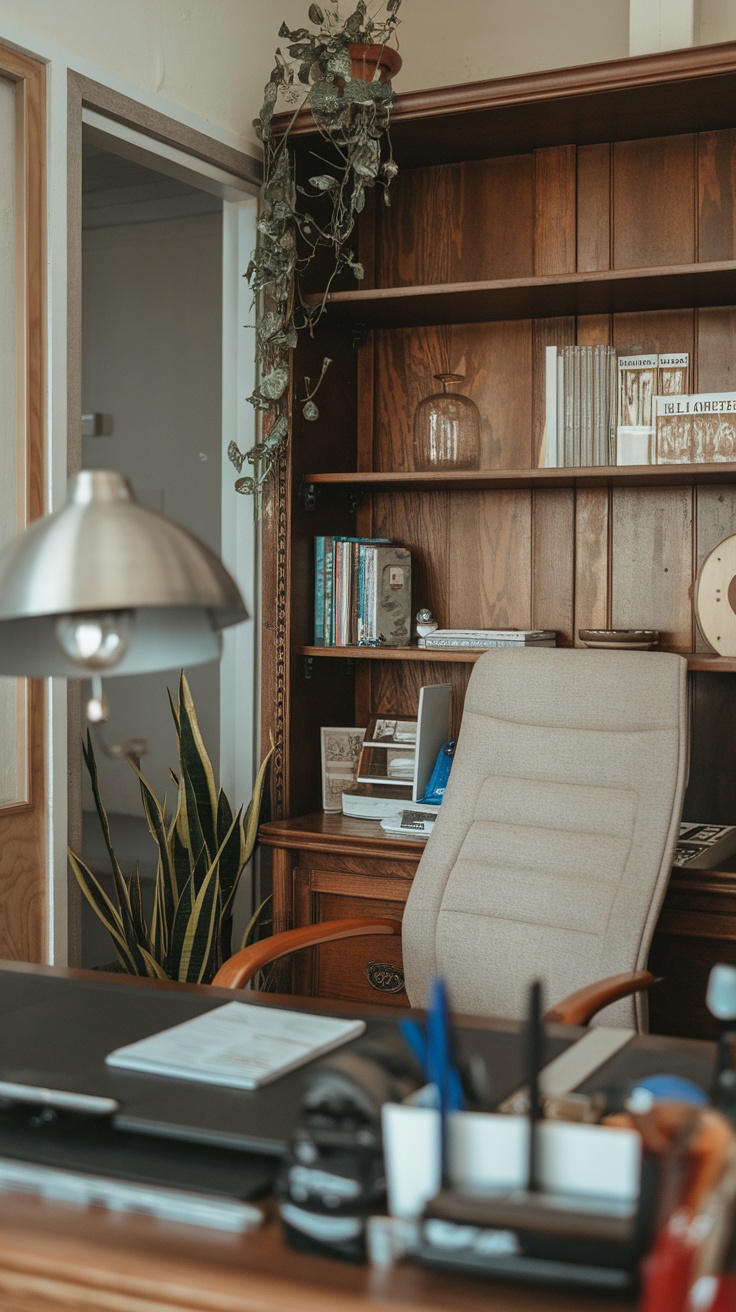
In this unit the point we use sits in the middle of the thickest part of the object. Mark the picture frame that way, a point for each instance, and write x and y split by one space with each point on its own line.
340 750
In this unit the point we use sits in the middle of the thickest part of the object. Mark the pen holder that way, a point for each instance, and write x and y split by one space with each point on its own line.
665 1190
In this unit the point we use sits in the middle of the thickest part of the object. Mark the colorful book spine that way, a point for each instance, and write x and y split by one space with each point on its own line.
329 613
319 592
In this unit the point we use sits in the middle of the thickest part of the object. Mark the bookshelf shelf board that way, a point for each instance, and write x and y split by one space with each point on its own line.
613 291
464 656
483 479
699 661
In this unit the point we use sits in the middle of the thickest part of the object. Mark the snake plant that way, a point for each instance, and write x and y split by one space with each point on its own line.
202 851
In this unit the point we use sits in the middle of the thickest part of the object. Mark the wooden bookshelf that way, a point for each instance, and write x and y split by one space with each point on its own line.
592 205
616 291
483 480
701 661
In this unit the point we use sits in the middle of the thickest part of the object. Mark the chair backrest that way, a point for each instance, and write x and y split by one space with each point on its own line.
553 846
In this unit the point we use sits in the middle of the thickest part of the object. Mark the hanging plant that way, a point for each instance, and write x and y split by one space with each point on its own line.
342 72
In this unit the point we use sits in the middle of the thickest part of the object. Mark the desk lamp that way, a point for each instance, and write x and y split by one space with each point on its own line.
105 586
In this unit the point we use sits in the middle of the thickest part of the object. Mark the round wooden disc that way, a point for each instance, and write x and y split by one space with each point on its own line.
715 597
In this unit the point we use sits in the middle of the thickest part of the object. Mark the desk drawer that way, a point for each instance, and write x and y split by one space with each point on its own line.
356 969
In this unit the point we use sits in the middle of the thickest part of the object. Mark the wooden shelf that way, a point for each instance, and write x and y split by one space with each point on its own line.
697 661
670 92
476 480
463 657
613 291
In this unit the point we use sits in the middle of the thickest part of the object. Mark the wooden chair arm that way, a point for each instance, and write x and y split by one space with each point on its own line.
236 972
580 1007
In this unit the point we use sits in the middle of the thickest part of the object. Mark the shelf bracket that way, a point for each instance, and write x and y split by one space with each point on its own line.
349 665
308 497
308 667
355 499
360 334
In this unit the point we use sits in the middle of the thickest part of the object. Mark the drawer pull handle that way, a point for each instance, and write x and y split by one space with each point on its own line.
384 978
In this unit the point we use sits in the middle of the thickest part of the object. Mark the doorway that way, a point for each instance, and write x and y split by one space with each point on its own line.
158 405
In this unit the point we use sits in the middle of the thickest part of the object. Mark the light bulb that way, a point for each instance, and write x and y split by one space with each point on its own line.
95 642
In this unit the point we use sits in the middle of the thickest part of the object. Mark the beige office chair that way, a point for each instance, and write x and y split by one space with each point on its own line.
553 846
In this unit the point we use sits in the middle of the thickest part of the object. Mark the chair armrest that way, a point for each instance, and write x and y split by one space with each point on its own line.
579 1007
240 968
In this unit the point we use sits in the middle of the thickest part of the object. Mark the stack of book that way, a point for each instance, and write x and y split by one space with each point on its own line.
362 592
580 424
600 408
482 638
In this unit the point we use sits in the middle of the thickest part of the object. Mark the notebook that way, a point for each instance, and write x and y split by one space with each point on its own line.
237 1045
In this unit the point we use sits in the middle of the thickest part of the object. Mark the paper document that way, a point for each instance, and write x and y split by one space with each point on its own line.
238 1045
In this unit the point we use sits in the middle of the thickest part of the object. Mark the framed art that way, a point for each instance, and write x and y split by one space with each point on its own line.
340 752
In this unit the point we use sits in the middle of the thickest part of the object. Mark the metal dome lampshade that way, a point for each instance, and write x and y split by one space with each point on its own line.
106 587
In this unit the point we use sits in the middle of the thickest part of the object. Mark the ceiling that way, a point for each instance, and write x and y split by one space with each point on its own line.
119 191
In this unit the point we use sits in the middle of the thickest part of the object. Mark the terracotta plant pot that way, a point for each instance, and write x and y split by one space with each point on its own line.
366 59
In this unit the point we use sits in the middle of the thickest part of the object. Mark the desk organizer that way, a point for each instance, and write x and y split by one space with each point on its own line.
489 1153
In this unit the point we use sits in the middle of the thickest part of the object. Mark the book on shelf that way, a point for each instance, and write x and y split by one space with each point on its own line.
599 406
702 847
695 429
580 406
362 592
641 379
486 638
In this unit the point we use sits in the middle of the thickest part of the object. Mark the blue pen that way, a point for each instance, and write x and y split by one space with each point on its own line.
441 1062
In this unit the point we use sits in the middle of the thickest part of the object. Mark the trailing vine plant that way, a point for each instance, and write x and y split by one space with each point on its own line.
297 221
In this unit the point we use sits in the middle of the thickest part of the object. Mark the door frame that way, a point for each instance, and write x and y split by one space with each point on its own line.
170 145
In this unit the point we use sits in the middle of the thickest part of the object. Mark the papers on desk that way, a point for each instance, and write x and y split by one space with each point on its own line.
239 1045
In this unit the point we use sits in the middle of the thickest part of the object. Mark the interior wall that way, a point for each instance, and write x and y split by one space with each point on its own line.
213 58
151 364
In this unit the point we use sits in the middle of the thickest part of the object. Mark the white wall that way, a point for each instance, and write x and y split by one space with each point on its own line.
151 363
210 58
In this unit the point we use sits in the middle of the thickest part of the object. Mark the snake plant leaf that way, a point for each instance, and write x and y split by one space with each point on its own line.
224 817
173 708
136 910
200 933
254 921
197 841
253 813
121 888
104 908
197 768
90 761
182 862
153 969
159 922
178 929
156 817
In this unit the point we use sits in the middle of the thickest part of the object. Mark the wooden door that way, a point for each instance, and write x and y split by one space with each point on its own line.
22 396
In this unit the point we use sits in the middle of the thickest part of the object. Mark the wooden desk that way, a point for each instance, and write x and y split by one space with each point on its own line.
62 1258
57 1257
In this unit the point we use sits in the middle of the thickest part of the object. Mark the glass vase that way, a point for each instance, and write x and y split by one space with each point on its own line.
447 429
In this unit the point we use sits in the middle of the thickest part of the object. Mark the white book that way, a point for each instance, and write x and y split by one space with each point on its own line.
550 455
492 633
238 1045
637 384
450 643
673 373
